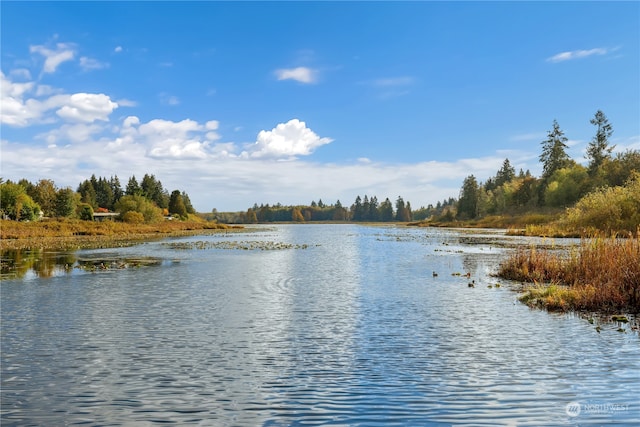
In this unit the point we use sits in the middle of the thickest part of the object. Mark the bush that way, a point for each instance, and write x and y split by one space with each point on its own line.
85 212
133 217
613 209
140 204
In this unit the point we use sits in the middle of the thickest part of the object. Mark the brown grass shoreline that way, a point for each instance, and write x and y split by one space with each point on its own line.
600 275
76 234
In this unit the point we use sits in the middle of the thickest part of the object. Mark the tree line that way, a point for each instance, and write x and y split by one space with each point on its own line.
144 201
363 209
563 181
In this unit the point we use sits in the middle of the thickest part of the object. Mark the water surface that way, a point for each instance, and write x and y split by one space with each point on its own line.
310 325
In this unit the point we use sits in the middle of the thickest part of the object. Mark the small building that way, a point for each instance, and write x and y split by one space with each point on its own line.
101 216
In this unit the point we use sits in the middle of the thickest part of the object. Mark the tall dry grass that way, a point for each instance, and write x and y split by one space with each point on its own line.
601 274
74 233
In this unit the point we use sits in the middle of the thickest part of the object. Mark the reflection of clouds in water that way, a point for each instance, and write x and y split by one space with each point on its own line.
296 315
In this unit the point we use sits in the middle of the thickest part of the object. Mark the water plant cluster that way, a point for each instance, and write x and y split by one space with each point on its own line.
253 245
599 274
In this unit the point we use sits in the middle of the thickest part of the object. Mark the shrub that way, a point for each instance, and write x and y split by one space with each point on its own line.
140 204
85 212
133 217
612 209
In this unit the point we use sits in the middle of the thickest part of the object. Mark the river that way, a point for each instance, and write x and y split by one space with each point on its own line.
298 325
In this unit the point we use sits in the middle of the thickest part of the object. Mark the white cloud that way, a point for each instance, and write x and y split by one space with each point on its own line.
20 73
126 103
393 81
118 49
71 133
577 54
299 74
20 107
286 140
87 107
167 99
391 87
88 64
14 111
168 139
46 90
54 57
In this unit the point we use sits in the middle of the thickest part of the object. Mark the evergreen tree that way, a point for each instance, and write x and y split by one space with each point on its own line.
386 211
554 155
469 197
133 188
356 209
506 174
373 209
187 203
401 210
365 208
152 189
176 204
88 194
104 194
116 189
599 150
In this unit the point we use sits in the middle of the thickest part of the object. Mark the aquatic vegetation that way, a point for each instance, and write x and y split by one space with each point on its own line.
237 245
619 318
600 274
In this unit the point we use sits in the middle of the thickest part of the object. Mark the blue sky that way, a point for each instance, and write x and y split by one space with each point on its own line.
289 102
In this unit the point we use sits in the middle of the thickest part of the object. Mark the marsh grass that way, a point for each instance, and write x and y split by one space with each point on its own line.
75 234
600 274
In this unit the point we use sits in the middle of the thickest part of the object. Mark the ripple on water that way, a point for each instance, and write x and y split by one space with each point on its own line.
354 330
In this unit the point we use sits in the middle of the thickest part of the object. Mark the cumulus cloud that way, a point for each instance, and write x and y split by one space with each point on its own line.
54 57
577 54
168 139
22 104
71 133
87 107
299 74
14 111
118 49
286 140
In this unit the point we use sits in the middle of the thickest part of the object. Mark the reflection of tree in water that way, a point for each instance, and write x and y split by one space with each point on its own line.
17 263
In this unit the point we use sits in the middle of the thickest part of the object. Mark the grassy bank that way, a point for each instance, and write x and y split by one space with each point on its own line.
601 274
60 234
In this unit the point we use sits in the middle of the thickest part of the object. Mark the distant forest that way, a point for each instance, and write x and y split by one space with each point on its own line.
563 183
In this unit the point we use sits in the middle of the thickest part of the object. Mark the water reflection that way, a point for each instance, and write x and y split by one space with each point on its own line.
40 263
354 330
